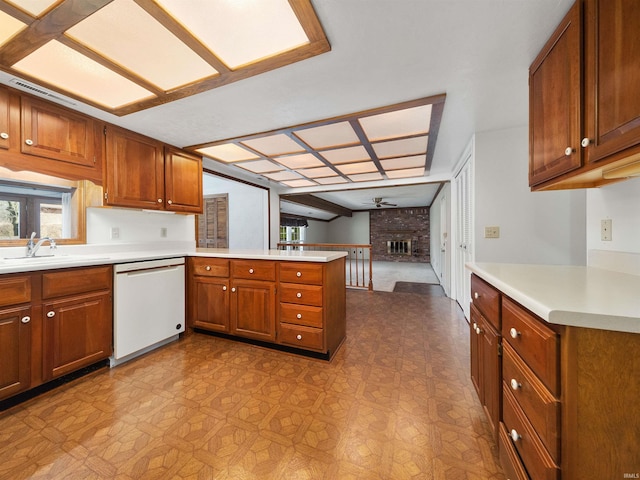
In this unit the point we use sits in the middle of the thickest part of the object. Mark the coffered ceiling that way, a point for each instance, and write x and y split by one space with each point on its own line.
360 56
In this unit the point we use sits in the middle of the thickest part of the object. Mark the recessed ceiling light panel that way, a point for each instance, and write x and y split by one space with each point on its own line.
299 183
366 177
284 175
398 123
278 144
408 173
228 152
345 155
304 160
260 166
327 136
403 162
9 26
331 180
361 167
398 148
34 7
317 172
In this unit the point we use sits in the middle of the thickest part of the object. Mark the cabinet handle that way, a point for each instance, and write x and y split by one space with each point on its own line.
299 316
514 384
585 142
251 270
299 295
159 200
224 288
207 268
298 274
51 314
233 289
169 202
475 325
568 151
28 141
476 295
4 135
26 319
299 337
514 333
515 436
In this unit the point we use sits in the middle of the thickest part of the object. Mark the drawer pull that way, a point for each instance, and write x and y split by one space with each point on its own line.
476 295
299 337
478 330
299 316
298 274
224 288
233 289
299 295
4 135
51 314
26 319
514 384
475 325
251 270
207 268
515 436
159 200
29 142
514 333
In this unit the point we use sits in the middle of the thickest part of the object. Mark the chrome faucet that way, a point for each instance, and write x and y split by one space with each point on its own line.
32 247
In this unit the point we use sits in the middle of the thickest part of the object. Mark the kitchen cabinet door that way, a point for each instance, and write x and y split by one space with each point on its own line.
134 170
77 332
209 305
56 133
253 309
555 103
474 340
182 181
5 133
15 350
491 365
612 77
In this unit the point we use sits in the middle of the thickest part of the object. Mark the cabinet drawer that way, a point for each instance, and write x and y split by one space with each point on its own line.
298 272
15 290
509 459
75 281
486 299
535 457
301 336
536 343
301 294
253 269
301 314
541 408
210 267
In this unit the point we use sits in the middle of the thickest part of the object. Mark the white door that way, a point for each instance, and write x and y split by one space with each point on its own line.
464 235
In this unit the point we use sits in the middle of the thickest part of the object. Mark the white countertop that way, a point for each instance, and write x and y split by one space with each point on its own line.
83 257
569 295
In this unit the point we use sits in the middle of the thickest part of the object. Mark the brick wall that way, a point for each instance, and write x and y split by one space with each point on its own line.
398 224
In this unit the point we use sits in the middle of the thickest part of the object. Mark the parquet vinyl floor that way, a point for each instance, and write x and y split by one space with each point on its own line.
395 402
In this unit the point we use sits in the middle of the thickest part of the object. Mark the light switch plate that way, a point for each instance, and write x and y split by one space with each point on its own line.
605 230
491 232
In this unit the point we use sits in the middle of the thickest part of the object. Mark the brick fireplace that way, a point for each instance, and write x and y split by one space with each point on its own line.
400 234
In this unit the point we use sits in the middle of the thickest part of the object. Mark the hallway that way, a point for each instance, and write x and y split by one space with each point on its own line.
396 402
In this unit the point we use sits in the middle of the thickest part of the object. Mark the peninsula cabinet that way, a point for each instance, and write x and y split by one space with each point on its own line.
48 138
281 302
142 173
584 108
568 398
53 323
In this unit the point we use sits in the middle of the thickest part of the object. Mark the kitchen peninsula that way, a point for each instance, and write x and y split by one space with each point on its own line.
559 379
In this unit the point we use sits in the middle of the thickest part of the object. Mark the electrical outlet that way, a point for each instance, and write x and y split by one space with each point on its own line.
115 233
605 230
163 232
491 232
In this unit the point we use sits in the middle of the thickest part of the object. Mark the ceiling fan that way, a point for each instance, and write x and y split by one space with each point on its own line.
377 201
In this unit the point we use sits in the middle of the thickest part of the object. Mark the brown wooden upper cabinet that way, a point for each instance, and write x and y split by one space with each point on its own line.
48 138
142 173
584 107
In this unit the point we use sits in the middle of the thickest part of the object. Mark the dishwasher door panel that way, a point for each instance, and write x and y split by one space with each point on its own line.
149 307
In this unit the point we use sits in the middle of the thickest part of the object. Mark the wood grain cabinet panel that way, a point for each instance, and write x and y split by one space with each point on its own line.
15 350
5 120
253 309
182 181
209 303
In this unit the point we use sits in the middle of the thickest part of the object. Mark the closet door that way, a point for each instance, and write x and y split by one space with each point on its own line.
213 224
463 184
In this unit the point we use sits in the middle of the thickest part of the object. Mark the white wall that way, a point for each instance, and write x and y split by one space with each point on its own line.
354 229
248 211
317 232
538 227
135 226
619 202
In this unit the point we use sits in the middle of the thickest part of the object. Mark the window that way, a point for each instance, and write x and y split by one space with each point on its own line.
292 234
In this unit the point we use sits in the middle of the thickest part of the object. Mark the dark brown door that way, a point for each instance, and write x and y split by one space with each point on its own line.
182 181
15 350
253 311
213 224
612 77
135 170
555 103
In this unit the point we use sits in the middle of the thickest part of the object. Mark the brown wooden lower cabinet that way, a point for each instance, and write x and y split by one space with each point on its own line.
57 322
568 398
290 303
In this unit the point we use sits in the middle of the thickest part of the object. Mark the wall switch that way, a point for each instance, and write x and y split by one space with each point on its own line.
605 230
163 232
115 233
491 232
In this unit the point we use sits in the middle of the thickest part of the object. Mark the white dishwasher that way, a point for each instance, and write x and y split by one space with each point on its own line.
148 306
